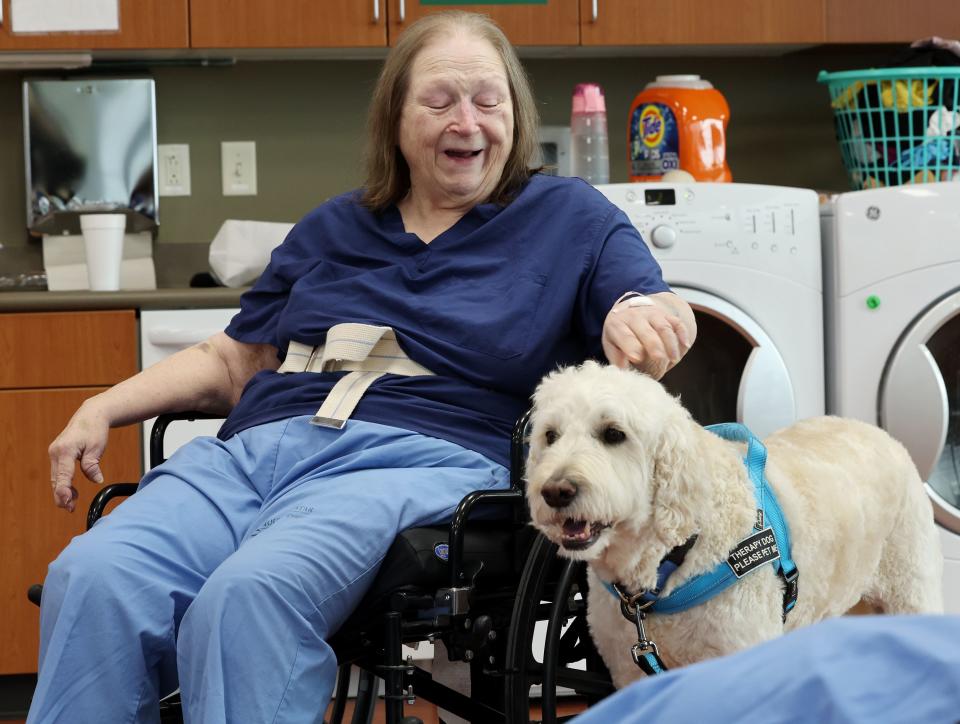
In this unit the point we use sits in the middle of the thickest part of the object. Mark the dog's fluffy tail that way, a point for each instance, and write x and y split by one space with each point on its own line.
910 576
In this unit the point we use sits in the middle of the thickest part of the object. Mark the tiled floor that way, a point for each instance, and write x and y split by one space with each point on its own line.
422 709
425 711
428 712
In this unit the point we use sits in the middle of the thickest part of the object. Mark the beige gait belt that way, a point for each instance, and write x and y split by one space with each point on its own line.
368 351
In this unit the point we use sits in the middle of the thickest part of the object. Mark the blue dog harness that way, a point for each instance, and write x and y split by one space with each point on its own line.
768 543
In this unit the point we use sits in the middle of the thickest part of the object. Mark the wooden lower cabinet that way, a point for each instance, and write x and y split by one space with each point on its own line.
32 529
50 362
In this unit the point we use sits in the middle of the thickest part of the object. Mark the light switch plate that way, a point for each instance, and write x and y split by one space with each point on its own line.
174 169
239 168
554 150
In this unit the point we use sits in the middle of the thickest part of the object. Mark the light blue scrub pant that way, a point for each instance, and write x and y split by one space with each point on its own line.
847 670
230 568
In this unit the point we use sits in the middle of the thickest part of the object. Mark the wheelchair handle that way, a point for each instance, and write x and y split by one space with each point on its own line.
518 449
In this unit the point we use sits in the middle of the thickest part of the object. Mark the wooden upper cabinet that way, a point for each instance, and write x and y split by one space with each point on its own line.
144 24
556 22
288 23
891 21
702 22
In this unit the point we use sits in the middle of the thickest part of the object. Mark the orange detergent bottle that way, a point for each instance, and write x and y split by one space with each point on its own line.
678 122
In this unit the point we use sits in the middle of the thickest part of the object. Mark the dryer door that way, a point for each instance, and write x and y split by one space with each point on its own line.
920 402
734 371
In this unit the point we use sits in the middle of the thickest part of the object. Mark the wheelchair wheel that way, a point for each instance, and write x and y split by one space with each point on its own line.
365 703
552 592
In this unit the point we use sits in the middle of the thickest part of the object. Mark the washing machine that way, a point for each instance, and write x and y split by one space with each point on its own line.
747 259
892 300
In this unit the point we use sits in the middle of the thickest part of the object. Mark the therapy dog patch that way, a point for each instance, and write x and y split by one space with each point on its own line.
753 552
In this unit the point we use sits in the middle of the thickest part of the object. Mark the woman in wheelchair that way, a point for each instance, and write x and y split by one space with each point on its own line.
370 381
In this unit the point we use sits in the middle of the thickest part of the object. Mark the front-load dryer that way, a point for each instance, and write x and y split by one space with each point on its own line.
892 300
747 259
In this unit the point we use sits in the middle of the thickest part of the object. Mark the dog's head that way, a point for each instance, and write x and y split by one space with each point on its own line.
608 452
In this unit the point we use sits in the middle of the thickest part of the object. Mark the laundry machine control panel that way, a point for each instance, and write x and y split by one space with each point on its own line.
891 232
771 228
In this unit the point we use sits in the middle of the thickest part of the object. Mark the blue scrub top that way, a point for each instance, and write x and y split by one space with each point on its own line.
848 670
491 305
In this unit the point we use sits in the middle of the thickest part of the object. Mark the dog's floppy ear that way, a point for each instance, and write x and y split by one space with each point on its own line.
678 475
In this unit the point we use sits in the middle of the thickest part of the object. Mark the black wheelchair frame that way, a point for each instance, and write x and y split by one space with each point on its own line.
499 581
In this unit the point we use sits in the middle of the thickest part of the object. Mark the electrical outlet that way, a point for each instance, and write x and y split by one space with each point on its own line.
174 169
239 168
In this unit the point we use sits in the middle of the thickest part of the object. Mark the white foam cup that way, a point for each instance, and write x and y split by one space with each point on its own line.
103 239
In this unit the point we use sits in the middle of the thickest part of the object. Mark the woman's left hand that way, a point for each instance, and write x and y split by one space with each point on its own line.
652 336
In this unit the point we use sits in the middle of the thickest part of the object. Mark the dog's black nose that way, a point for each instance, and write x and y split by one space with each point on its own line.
559 494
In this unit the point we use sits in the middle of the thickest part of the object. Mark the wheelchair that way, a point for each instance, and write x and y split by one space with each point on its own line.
481 585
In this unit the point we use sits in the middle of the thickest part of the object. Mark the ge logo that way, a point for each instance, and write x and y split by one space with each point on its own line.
873 213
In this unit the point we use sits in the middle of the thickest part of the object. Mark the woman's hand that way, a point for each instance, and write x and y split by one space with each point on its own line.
84 439
650 333
208 377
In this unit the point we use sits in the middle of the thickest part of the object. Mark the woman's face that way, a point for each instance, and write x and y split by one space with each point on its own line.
456 126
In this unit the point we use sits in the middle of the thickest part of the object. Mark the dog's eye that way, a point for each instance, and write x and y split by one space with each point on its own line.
550 436
613 436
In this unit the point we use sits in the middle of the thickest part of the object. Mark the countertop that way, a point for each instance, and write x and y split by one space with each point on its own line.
182 298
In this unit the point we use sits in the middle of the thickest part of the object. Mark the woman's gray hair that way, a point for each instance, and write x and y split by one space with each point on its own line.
387 173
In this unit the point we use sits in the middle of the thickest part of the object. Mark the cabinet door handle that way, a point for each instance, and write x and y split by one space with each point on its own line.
594 10
403 10
376 11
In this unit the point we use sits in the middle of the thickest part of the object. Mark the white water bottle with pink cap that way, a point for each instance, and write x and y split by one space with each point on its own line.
590 159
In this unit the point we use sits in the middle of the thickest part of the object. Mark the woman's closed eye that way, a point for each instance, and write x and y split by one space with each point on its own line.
487 101
437 102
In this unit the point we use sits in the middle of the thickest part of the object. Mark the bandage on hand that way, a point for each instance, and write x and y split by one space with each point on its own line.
632 299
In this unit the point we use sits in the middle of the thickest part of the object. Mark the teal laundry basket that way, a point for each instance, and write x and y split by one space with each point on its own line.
897 125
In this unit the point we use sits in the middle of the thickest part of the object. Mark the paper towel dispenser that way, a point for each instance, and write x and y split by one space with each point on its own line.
90 145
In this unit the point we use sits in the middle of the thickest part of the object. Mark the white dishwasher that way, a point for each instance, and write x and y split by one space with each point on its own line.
164 332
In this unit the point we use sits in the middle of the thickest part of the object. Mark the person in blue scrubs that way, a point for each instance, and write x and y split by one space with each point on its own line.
238 558
848 670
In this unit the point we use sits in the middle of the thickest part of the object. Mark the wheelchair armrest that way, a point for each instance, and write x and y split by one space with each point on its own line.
163 422
458 524
514 496
121 490
100 500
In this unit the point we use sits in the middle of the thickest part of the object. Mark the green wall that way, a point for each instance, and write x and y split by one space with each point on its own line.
307 118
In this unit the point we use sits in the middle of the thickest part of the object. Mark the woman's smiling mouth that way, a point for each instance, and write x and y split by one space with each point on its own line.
462 155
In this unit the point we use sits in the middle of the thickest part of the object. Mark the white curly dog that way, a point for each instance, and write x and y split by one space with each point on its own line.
619 474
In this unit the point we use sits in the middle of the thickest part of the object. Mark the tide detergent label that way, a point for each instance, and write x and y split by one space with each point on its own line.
654 140
651 126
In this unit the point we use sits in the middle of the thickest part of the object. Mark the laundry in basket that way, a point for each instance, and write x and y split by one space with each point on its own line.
900 125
